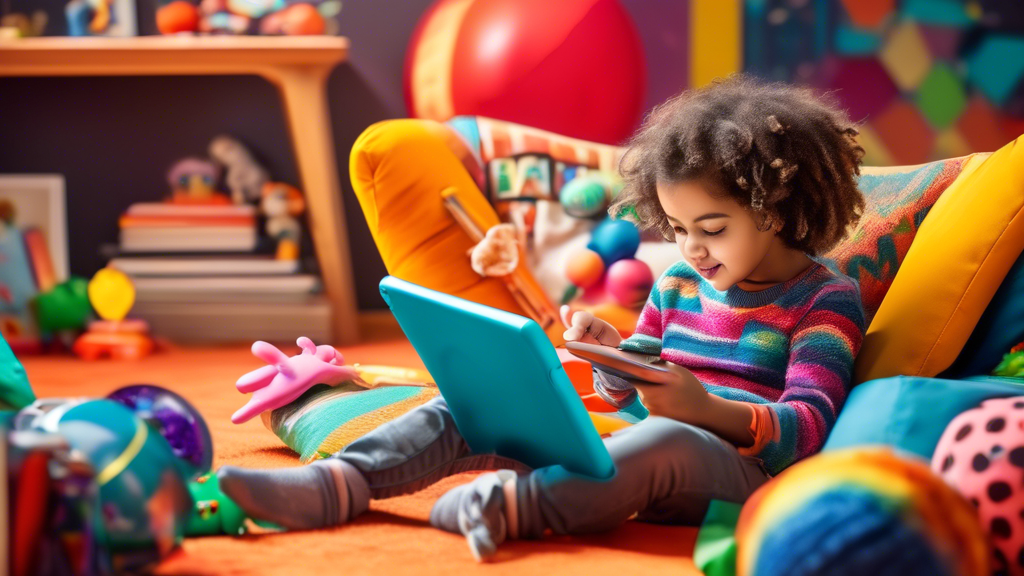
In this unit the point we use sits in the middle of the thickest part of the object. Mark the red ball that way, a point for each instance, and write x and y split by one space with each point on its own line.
574 67
629 282
178 16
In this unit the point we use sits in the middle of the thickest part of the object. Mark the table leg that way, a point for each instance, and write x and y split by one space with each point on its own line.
304 91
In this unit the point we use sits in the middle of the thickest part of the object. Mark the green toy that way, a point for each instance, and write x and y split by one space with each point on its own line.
1012 364
65 307
15 391
213 513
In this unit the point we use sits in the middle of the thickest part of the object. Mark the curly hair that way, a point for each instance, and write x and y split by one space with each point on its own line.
787 153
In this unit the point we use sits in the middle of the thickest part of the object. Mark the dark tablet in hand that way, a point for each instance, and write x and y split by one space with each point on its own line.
629 365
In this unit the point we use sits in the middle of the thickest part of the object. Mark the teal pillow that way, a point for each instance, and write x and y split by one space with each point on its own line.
1000 328
911 412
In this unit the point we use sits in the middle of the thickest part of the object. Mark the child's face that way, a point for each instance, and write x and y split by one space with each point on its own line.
716 234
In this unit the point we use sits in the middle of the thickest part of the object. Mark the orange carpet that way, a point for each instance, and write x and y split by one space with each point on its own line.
394 537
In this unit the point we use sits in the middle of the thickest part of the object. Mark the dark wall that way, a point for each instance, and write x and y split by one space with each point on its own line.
114 138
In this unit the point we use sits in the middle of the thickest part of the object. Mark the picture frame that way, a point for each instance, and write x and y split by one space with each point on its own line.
40 202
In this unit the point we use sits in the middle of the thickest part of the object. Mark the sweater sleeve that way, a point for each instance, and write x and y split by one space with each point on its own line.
646 338
822 349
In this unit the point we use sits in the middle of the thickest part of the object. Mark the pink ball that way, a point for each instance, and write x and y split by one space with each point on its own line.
629 281
584 268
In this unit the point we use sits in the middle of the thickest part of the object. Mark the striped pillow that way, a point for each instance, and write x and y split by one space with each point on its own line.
327 418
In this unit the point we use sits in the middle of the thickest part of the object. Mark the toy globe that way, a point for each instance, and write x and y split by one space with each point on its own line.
143 502
981 454
574 67
859 511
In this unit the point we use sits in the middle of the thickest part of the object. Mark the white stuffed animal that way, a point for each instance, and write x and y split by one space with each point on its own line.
245 178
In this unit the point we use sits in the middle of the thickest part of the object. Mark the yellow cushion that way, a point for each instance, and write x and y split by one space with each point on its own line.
963 250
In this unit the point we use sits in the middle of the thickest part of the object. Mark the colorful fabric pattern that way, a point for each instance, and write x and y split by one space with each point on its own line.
790 347
326 419
492 139
898 199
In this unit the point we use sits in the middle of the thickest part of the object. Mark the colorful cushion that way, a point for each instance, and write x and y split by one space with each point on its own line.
898 199
911 412
960 255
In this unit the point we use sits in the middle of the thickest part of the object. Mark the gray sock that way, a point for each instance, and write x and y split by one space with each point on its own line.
476 510
324 493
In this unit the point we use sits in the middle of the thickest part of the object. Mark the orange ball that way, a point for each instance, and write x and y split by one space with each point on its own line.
302 20
178 16
584 268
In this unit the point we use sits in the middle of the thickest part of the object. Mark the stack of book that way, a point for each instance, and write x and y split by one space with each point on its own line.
198 278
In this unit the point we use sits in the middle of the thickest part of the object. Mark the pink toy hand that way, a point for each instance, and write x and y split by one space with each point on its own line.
285 379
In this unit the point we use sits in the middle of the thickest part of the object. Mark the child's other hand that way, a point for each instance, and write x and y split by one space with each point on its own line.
584 327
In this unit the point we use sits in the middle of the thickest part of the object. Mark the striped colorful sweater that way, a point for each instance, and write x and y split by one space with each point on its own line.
790 346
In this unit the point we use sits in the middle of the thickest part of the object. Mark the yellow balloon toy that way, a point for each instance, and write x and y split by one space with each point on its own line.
112 295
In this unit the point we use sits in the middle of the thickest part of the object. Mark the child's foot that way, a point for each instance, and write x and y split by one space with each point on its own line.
314 496
484 511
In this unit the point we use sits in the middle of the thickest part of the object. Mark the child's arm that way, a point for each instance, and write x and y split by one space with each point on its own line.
818 377
688 401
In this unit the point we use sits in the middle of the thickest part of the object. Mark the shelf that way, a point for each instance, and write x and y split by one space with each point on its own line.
297 65
166 55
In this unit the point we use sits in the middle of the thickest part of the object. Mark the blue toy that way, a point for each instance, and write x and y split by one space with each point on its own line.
615 240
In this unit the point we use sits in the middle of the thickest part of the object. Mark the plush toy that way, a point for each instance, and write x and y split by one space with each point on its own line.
858 512
282 204
498 253
245 178
194 181
981 454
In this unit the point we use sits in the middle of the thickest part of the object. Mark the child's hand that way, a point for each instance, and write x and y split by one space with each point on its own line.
685 399
584 327
284 379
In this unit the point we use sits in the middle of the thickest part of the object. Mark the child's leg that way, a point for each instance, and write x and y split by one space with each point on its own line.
400 457
666 471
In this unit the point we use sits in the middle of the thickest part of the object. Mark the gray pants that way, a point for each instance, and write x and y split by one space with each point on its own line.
666 472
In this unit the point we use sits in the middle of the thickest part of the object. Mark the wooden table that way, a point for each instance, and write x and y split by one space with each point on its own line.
297 65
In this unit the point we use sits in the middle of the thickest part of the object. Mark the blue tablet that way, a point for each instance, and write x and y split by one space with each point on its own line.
502 380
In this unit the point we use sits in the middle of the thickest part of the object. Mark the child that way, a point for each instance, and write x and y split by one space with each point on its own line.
750 180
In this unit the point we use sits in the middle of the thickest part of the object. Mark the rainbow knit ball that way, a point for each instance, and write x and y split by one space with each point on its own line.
860 511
